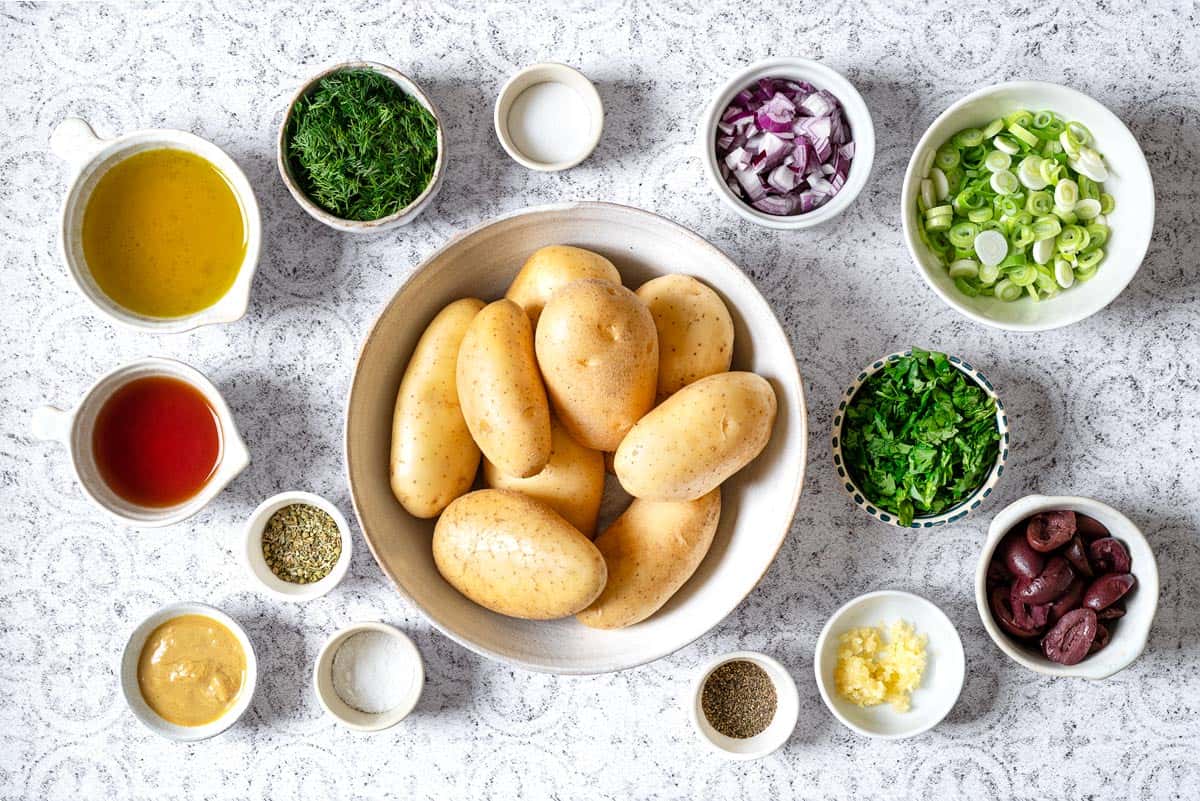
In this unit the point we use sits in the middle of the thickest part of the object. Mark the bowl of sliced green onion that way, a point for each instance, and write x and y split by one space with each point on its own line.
1027 206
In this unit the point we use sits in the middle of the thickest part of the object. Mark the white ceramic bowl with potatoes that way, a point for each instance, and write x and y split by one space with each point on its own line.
758 502
1129 182
1129 634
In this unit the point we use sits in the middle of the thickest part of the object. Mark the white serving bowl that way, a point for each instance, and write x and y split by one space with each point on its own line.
862 130
90 157
402 217
1129 182
412 675
252 553
770 739
133 693
941 684
73 429
548 72
1129 634
758 502
946 516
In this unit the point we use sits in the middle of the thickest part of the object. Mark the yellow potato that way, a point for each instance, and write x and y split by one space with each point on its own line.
598 351
551 268
695 331
571 483
501 392
434 459
697 438
516 556
651 551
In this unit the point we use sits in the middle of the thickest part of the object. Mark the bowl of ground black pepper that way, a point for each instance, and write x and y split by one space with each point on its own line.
361 147
744 705
297 546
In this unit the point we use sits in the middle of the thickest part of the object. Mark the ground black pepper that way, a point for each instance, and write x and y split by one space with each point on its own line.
739 699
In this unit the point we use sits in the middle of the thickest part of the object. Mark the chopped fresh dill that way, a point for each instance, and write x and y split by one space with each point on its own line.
359 146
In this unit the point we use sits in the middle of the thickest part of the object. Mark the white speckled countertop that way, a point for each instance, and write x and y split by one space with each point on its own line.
1104 408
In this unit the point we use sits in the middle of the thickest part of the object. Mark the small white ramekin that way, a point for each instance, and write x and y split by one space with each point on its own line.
771 739
252 554
1129 634
133 694
862 130
548 72
91 157
74 428
412 674
945 668
405 215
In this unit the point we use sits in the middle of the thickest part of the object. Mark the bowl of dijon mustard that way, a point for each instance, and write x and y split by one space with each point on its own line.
188 671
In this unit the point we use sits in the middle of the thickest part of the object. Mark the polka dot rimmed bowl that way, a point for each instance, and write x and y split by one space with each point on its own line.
954 513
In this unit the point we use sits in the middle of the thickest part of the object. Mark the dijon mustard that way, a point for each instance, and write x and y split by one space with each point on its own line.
191 670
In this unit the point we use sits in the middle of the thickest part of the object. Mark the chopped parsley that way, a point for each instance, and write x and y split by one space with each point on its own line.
919 436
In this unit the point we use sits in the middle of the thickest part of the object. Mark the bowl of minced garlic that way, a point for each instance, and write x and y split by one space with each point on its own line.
188 671
889 664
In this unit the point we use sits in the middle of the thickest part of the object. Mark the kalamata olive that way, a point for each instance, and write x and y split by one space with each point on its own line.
1089 527
1112 612
1077 555
1026 615
1051 583
997 574
1050 530
1071 599
1110 555
1019 558
1101 640
1107 590
999 600
1067 643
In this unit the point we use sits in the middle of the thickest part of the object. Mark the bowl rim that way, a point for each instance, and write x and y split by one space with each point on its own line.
266 581
508 95
959 510
131 691
333 706
858 115
823 640
908 198
791 370
408 86
787 696
1146 574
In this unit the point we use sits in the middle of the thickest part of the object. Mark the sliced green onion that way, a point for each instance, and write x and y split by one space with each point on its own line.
964 286
946 157
1023 237
938 211
1070 239
994 127
927 198
964 268
1089 259
1066 194
1107 204
1039 203
1087 209
1050 170
980 215
1007 291
1030 173
1064 274
1099 234
997 160
1079 133
1024 134
1067 217
1006 144
969 137
941 185
991 247
1046 227
1004 182
1021 117
1043 250
1041 119
988 273
962 235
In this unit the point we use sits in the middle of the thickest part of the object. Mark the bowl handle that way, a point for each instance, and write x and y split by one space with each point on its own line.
50 423
75 142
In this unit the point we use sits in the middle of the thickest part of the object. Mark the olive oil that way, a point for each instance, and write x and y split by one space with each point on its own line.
164 234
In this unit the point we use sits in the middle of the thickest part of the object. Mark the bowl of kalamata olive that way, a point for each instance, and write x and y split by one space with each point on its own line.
1067 586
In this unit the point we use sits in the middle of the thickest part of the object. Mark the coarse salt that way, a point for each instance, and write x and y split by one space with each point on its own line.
371 672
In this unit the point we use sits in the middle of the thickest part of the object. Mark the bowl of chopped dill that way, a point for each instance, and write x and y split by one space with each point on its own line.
920 439
361 148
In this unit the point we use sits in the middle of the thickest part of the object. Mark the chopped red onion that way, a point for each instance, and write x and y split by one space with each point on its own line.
784 146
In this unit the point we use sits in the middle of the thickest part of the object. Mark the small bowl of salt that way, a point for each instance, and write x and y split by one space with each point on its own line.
549 117
369 676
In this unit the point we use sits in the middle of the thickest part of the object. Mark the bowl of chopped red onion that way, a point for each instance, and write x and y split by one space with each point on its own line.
788 143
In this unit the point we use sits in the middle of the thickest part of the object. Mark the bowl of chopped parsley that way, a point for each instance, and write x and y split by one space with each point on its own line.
361 148
920 439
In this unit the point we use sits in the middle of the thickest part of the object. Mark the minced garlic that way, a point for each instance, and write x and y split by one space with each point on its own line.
870 671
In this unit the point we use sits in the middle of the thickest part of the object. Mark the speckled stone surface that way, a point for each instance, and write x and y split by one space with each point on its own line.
1104 408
